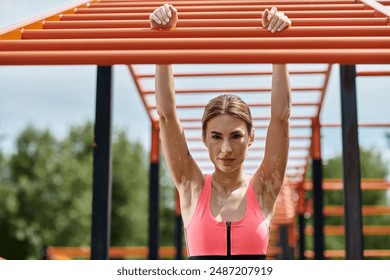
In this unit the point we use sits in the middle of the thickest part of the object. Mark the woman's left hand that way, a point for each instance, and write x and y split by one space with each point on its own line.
274 20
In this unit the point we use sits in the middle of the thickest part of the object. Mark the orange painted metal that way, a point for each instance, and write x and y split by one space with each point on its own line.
292 148
344 56
196 43
155 145
368 125
208 3
257 104
316 139
372 73
212 32
231 90
222 8
301 204
324 89
58 253
221 2
224 15
367 210
15 31
367 184
254 118
79 24
340 230
232 73
248 158
136 252
341 253
177 204
140 90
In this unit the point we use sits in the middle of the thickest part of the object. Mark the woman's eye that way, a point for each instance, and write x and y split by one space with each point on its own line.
216 137
236 136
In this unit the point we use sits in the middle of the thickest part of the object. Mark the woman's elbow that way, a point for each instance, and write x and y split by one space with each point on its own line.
282 116
165 115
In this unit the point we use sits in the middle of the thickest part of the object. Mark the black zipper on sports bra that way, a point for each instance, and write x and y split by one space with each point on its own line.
228 240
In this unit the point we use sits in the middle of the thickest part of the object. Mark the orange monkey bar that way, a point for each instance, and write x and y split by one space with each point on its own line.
220 8
337 184
196 43
76 24
339 230
211 32
223 15
341 253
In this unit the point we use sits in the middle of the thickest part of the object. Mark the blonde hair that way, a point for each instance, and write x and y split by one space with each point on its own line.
227 104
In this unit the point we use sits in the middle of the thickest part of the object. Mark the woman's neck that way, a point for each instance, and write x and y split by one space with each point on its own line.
228 182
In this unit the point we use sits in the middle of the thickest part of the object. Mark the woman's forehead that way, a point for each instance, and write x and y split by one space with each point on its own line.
225 123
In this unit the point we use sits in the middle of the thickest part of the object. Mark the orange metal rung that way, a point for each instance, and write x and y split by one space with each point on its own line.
340 230
373 73
246 90
257 104
366 184
238 73
208 3
115 252
223 8
223 15
341 253
368 210
345 56
313 31
14 31
80 24
196 43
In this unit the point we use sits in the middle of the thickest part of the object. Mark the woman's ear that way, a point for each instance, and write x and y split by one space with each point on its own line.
251 137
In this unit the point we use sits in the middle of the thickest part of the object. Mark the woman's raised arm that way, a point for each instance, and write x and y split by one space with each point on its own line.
268 179
182 166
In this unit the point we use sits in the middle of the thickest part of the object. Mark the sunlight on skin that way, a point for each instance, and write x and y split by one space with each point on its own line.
270 192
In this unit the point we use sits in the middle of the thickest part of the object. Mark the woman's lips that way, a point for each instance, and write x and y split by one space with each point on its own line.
226 160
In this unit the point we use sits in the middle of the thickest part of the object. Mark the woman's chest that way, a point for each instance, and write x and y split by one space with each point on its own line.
228 207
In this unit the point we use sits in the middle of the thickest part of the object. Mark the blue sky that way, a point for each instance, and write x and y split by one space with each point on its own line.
56 97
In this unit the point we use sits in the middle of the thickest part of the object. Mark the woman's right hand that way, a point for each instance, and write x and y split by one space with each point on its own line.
163 17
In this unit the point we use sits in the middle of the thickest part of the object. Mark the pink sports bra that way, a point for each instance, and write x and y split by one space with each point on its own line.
208 238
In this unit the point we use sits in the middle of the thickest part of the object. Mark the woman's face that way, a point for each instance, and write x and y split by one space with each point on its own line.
227 140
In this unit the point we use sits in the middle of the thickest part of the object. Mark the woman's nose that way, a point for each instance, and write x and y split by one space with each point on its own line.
226 147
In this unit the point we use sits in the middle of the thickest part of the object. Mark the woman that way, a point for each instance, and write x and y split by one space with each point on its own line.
226 215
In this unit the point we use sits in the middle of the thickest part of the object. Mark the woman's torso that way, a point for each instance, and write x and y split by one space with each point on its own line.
246 237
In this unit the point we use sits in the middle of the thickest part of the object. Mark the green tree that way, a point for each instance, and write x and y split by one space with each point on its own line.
46 193
47 198
130 188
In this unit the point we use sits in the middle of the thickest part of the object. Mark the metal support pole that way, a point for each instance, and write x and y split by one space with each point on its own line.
179 230
302 224
154 195
288 253
318 203
351 165
301 219
101 205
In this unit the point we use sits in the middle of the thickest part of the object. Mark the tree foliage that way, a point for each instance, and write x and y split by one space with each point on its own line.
46 193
